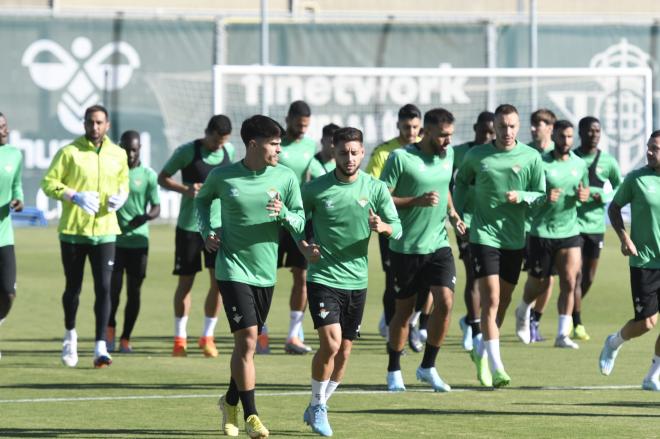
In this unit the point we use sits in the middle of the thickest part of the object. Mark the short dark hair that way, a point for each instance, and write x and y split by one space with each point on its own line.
299 109
347 134
653 135
2 115
329 129
95 109
485 116
543 115
260 127
409 111
438 116
505 109
219 124
586 122
561 125
127 137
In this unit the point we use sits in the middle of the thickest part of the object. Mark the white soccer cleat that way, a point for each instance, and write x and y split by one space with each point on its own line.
383 330
431 377
607 357
522 324
563 341
70 353
395 382
467 334
652 385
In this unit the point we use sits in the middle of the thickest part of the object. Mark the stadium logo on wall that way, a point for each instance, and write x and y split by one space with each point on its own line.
80 73
619 104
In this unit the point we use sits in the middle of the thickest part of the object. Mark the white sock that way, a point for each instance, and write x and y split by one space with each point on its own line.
100 348
1 320
332 386
527 307
414 318
295 321
209 326
71 335
494 359
616 340
318 391
565 325
654 371
180 324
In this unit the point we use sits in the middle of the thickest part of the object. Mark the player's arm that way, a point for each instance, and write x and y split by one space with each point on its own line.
289 212
178 161
615 180
454 218
309 249
154 204
622 197
116 201
582 191
385 218
535 192
203 202
465 176
16 203
376 163
54 186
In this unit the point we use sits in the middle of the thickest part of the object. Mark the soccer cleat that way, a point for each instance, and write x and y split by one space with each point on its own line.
383 330
431 377
395 381
522 324
653 385
535 332
423 335
229 417
207 344
563 341
501 378
263 345
180 348
413 339
110 338
483 372
316 416
467 333
580 333
70 353
296 349
102 361
607 357
125 346
254 427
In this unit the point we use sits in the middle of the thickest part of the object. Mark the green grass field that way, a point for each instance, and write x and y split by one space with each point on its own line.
554 393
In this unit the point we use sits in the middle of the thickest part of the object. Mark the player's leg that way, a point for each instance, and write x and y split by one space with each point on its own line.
539 267
73 262
536 314
101 259
212 306
388 293
116 285
187 263
652 378
290 257
135 274
568 261
7 280
592 245
419 320
470 323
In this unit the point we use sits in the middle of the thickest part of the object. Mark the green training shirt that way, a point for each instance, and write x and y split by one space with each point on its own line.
496 222
459 155
340 216
181 158
641 188
249 236
143 192
591 214
297 155
409 172
559 219
11 188
317 169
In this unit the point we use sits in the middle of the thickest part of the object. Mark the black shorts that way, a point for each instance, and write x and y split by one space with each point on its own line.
592 244
384 245
245 305
489 260
542 254
463 248
188 249
525 261
288 254
334 305
645 286
7 271
415 274
133 260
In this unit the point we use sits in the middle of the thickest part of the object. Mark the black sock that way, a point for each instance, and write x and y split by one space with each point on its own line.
395 359
424 320
430 352
476 326
247 400
536 316
577 320
232 393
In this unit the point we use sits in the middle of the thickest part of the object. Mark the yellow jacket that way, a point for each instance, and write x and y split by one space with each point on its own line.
79 167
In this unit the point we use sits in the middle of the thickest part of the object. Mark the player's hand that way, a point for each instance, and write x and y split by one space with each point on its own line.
16 205
465 237
628 247
192 190
87 200
138 221
582 193
116 201
375 223
512 197
212 242
457 223
597 197
554 194
428 199
312 252
274 205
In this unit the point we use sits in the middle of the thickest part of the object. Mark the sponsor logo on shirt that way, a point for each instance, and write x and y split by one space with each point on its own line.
272 192
305 155
233 192
422 167
328 204
363 201
285 154
574 172
484 167
516 168
553 173
651 189
599 170
138 182
9 168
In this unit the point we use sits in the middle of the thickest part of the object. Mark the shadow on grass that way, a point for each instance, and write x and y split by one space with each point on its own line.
103 432
623 404
471 413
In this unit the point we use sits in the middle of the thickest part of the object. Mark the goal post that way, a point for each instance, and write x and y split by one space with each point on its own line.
369 98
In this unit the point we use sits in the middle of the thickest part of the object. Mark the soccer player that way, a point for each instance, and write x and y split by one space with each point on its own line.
256 198
344 206
324 161
470 323
409 125
90 178
11 198
554 238
591 214
639 189
507 177
195 160
297 154
132 247
418 178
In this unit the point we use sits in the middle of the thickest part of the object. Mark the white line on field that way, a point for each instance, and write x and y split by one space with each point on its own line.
294 393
